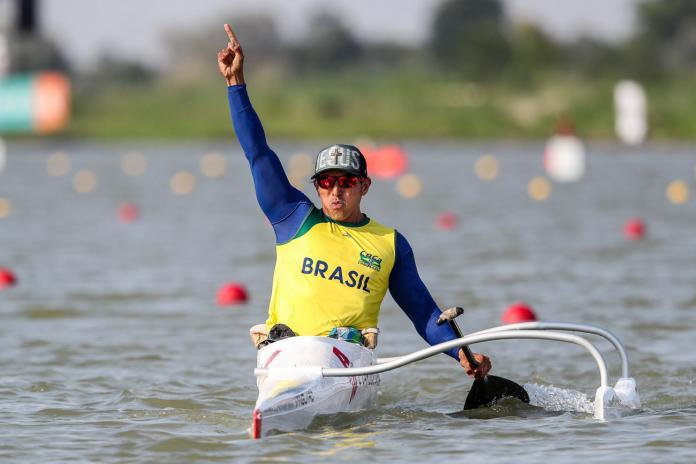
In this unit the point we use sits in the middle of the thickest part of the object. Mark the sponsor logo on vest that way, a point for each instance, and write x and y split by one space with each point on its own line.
320 268
370 260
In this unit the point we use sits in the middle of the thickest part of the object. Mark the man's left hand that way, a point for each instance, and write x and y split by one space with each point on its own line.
484 365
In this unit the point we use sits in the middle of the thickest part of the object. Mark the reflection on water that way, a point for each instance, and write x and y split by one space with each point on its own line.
113 349
343 443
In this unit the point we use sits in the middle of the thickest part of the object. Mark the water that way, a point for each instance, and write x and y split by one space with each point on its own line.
112 348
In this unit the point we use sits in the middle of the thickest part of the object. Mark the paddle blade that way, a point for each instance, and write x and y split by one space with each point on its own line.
486 391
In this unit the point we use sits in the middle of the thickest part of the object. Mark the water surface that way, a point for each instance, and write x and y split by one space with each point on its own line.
112 348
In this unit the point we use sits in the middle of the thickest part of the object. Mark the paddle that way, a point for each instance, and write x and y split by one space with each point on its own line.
489 389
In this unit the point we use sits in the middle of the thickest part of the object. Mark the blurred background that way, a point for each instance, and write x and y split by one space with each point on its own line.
488 68
537 154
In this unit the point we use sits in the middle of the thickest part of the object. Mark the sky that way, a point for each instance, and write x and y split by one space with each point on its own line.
135 28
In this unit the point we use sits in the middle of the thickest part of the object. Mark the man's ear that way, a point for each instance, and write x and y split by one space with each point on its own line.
365 186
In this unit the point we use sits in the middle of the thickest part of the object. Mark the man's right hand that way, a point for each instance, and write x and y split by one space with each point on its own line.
484 365
231 60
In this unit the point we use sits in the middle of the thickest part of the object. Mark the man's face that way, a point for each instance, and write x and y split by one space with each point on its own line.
341 203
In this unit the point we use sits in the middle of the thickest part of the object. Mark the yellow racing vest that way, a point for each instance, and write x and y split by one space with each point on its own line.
331 274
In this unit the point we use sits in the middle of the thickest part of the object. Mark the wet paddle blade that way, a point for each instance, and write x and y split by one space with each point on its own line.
486 391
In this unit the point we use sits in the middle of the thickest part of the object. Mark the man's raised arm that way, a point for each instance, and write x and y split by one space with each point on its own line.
279 200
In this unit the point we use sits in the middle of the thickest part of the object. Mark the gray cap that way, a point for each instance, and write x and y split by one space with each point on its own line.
340 156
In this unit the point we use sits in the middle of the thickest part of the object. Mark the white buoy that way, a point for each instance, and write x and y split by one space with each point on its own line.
564 158
631 108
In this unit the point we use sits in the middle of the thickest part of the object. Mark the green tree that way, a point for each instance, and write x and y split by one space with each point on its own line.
329 45
32 53
191 50
468 36
666 20
666 35
532 50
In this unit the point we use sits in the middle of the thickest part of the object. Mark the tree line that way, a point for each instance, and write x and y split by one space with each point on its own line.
473 40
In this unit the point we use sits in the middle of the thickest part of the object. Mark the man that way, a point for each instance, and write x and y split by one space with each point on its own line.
334 264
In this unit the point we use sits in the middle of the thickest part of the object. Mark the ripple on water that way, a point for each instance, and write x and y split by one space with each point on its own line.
152 357
174 403
132 434
61 412
35 343
186 444
40 387
48 312
689 304
115 297
508 408
634 302
658 326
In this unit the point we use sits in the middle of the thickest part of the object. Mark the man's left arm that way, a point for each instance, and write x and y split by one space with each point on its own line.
413 297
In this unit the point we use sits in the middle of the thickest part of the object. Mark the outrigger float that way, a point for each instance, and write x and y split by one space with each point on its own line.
302 377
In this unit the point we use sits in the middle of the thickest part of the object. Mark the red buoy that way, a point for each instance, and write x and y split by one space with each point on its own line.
634 229
447 221
231 293
518 312
128 212
7 278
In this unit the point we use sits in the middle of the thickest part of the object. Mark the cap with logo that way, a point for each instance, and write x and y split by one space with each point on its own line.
343 157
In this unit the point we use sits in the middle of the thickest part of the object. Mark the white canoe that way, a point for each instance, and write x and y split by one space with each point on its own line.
294 392
302 377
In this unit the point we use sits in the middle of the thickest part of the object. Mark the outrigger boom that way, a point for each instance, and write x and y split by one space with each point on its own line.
624 391
571 327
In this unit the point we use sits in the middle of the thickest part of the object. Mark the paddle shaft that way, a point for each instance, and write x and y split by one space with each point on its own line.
467 352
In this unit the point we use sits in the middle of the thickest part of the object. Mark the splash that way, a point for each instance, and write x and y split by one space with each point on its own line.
558 399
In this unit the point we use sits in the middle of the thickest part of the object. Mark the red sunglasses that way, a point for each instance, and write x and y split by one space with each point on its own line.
327 182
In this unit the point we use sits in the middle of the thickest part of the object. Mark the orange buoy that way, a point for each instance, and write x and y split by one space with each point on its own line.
518 312
231 293
634 229
128 212
386 162
7 278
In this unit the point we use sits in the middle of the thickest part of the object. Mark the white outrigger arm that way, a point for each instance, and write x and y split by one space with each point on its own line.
571 327
604 394
625 387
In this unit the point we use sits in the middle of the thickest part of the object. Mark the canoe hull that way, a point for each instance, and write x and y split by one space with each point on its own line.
294 392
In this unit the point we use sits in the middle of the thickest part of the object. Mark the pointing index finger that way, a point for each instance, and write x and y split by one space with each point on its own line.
230 34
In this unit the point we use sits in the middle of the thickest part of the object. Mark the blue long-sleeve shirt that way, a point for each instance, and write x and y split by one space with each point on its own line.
286 208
